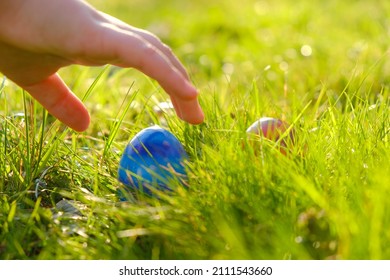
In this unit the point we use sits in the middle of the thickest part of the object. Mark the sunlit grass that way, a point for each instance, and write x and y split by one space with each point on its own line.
323 67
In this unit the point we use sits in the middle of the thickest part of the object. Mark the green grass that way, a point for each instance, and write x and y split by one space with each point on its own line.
327 199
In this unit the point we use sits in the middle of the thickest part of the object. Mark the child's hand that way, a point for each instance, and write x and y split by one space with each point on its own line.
37 37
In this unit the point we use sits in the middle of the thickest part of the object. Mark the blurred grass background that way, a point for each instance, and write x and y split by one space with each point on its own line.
322 66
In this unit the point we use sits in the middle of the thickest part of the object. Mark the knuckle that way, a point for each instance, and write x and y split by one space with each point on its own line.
148 53
167 49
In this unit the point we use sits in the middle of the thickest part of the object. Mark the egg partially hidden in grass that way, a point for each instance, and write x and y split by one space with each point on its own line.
153 159
271 129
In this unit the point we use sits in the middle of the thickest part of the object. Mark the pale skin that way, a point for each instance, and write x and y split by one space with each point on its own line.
38 37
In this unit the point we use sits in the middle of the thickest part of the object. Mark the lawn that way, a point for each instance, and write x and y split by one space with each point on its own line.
321 66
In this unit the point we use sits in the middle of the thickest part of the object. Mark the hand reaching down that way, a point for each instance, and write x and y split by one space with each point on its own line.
38 37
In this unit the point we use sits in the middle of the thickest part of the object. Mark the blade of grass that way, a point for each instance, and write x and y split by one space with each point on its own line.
27 159
119 119
94 84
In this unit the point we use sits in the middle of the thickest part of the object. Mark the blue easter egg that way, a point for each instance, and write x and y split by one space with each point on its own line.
151 160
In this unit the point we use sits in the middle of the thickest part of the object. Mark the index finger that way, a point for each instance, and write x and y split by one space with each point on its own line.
151 38
131 50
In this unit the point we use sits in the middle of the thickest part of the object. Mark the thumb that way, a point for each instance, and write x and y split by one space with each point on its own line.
53 94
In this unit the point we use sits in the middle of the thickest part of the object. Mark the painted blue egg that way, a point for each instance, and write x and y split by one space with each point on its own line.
152 160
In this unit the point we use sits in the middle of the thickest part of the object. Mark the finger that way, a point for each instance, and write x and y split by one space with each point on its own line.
152 39
167 51
59 101
188 109
133 51
128 49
